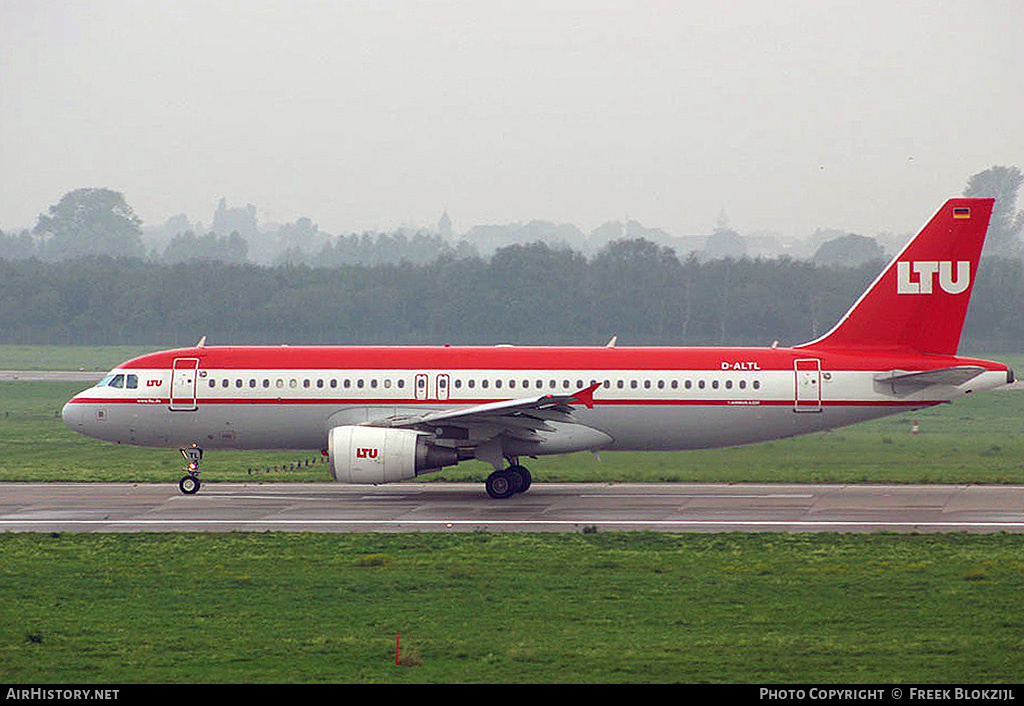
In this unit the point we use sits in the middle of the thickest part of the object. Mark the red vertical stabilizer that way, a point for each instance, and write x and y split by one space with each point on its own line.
920 300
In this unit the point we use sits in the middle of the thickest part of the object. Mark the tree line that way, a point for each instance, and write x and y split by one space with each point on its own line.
99 221
524 294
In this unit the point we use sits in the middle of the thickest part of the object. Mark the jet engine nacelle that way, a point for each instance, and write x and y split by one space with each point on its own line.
382 455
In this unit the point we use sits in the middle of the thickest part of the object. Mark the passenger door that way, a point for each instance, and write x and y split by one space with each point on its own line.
808 385
184 378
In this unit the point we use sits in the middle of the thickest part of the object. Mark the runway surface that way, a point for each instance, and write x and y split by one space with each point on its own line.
547 507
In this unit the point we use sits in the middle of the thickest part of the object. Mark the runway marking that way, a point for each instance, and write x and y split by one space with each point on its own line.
690 496
418 496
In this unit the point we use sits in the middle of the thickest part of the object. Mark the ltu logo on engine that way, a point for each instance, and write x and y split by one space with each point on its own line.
366 453
926 270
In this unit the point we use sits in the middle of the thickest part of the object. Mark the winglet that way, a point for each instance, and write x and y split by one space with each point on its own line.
586 396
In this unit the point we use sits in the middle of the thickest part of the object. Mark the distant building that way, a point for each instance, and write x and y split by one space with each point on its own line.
444 226
227 220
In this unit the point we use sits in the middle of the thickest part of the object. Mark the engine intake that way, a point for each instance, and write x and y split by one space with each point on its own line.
383 455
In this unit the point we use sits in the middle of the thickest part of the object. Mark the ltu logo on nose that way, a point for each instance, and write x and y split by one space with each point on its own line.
926 270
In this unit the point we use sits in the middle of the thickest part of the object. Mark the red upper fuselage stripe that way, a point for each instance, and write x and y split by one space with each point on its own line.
445 358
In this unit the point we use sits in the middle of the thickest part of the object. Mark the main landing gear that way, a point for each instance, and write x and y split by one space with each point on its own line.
506 483
189 484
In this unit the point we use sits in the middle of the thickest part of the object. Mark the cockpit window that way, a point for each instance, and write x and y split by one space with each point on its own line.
106 380
118 381
132 381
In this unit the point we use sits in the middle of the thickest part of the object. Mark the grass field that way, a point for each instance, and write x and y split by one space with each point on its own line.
94 358
504 608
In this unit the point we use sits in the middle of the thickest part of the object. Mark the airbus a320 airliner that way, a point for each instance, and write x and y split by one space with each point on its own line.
386 414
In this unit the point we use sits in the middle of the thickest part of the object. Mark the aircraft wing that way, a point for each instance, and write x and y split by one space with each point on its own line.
520 418
908 381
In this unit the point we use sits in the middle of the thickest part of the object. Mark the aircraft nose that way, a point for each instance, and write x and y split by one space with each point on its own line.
72 415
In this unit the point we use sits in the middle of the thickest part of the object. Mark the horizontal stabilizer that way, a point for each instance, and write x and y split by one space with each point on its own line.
907 381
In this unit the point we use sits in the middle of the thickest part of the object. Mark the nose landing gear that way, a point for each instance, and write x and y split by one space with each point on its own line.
189 484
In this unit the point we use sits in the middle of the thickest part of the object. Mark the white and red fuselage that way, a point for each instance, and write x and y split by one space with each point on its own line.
647 399
389 413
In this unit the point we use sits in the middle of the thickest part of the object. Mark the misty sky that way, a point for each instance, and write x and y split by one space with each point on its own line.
787 115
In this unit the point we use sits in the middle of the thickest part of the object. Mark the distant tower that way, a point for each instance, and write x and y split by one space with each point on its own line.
444 226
